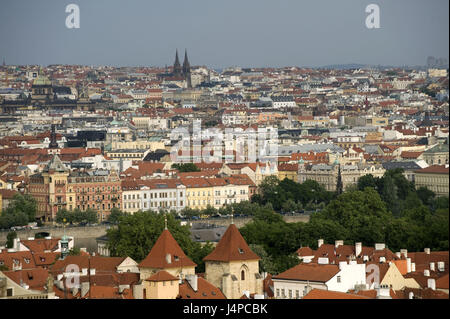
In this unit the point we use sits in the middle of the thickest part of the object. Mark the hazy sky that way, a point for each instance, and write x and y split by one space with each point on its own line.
223 33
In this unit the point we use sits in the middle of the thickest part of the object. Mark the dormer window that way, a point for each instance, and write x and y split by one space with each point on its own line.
241 251
27 260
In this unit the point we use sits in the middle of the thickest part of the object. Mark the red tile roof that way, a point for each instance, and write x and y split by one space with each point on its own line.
161 275
434 169
310 272
35 278
205 290
164 247
41 245
231 247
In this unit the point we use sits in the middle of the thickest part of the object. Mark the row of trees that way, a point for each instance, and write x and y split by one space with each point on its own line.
399 194
287 195
88 216
20 211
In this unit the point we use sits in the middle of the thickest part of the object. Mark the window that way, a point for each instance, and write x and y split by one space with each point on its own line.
242 275
338 279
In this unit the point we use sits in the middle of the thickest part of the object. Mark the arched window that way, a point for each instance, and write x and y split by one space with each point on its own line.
242 274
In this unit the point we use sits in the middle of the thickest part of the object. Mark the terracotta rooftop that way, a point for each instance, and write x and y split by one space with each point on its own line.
166 253
232 247
161 275
309 272
205 290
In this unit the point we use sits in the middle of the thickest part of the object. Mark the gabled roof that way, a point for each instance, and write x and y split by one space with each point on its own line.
56 165
166 253
41 245
162 275
99 263
310 272
232 247
35 278
205 290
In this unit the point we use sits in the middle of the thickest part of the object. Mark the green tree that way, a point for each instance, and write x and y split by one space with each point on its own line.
185 167
64 216
362 213
10 239
367 181
425 195
115 215
26 204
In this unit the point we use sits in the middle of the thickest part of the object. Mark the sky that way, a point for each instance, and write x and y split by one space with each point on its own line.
246 33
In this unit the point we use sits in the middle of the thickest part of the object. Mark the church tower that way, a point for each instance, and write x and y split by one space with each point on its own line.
187 70
233 267
177 66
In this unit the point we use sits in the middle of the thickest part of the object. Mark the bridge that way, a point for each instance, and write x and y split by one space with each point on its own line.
85 236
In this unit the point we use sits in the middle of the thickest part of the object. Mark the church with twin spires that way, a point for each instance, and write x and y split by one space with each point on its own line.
180 72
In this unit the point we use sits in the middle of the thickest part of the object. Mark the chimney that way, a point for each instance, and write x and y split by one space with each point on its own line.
30 238
322 261
408 265
404 252
16 244
138 291
93 272
441 265
84 288
383 292
411 295
48 237
380 246
193 281
413 267
398 254
432 266
338 243
168 259
431 283
427 251
319 243
358 249
122 288
426 273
